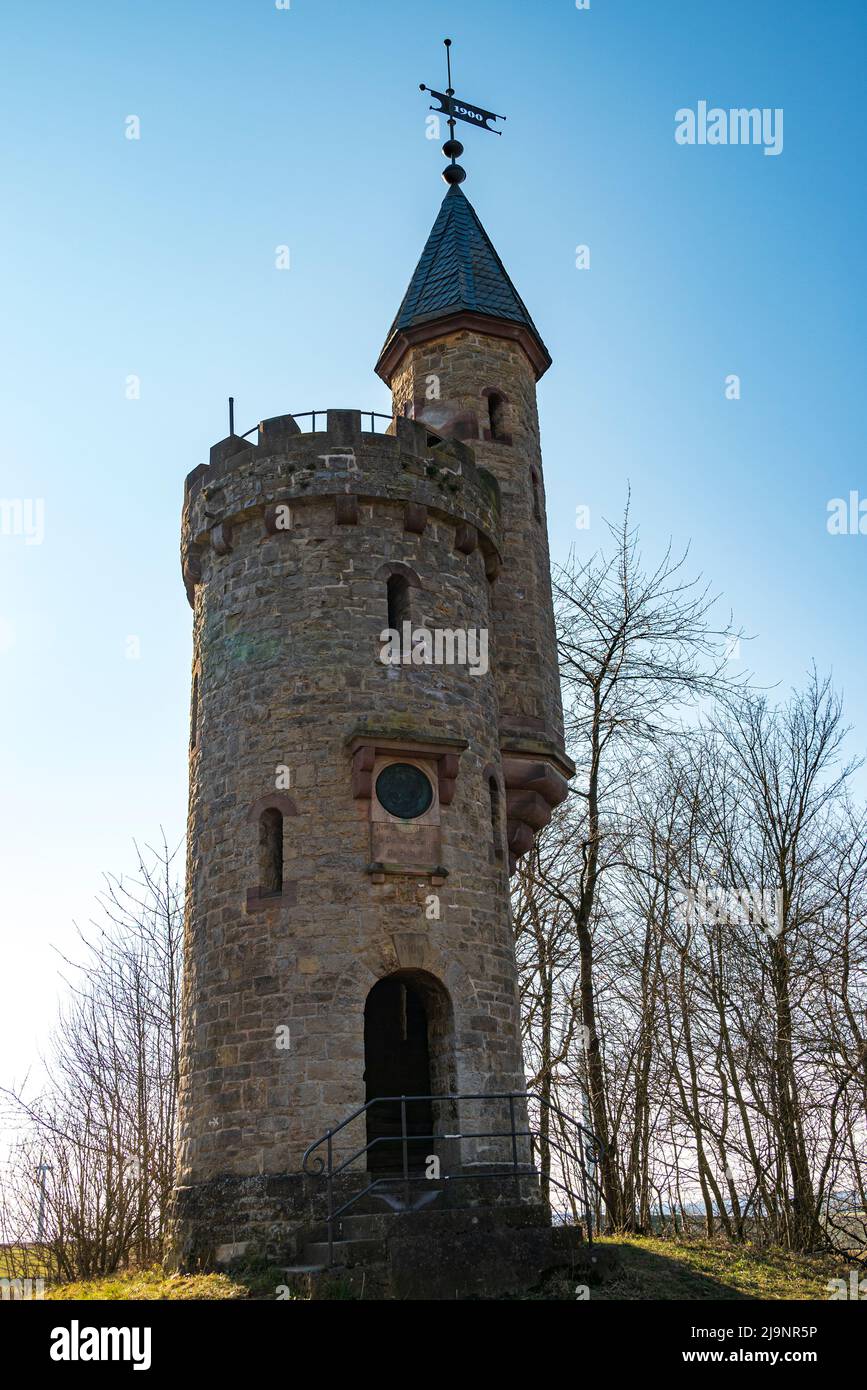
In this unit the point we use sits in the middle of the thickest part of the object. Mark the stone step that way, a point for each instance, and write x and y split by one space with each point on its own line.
368 1222
454 1253
433 1194
345 1252
374 1220
360 1226
568 1238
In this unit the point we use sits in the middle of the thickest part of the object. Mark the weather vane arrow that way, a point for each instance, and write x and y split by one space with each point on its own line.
458 110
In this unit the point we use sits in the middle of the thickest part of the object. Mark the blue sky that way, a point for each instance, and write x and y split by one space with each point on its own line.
262 127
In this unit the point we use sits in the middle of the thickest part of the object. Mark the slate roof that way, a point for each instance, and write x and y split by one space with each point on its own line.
460 270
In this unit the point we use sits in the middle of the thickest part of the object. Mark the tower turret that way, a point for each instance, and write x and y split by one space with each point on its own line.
463 355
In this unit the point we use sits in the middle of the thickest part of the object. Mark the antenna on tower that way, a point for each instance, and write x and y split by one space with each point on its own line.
458 110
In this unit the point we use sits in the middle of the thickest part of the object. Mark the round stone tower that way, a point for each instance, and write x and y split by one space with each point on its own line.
376 735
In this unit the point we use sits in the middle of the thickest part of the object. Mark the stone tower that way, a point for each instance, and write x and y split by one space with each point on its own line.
356 807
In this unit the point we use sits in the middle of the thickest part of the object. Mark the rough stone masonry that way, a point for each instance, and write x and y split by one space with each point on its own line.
307 885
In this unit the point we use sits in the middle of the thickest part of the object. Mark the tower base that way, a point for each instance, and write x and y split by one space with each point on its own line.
473 1238
487 1252
233 1219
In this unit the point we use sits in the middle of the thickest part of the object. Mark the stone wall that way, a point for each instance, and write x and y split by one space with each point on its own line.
462 367
287 674
450 381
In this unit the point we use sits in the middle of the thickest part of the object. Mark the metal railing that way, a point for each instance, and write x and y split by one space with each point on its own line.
313 415
578 1151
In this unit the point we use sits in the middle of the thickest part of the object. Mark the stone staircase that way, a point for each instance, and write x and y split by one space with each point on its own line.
361 1239
480 1230
438 1253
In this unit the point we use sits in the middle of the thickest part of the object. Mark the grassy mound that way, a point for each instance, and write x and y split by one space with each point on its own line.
649 1267
623 1268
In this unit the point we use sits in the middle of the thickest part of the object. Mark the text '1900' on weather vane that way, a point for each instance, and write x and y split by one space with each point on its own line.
458 110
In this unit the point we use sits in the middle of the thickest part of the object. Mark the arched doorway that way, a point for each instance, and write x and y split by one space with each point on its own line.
407 1052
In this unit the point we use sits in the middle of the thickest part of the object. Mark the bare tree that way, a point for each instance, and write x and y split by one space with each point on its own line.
780 843
89 1179
636 649
691 928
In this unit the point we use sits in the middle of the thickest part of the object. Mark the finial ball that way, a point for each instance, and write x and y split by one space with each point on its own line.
453 149
453 173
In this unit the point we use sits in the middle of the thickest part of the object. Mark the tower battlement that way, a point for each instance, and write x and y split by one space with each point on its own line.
425 479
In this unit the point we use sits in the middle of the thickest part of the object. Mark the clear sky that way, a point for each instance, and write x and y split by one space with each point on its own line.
260 127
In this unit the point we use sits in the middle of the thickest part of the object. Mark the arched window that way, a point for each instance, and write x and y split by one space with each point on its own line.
399 579
497 416
398 601
496 822
537 506
269 814
270 853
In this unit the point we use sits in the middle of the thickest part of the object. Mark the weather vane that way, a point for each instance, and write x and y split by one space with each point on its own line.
457 110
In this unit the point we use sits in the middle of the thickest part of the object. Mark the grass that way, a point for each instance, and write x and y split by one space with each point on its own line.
18 1261
629 1269
649 1267
254 1280
149 1284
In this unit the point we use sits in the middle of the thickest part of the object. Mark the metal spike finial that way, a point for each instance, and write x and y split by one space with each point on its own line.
452 147
457 110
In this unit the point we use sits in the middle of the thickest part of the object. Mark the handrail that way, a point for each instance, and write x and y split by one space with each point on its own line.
311 415
589 1151
380 1100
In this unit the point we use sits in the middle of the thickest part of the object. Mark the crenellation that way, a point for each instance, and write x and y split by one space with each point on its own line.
274 490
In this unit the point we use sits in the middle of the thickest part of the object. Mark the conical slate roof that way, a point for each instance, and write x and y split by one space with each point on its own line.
460 273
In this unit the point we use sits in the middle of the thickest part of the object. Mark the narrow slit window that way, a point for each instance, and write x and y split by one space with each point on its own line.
194 713
398 602
270 853
497 416
537 507
496 825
